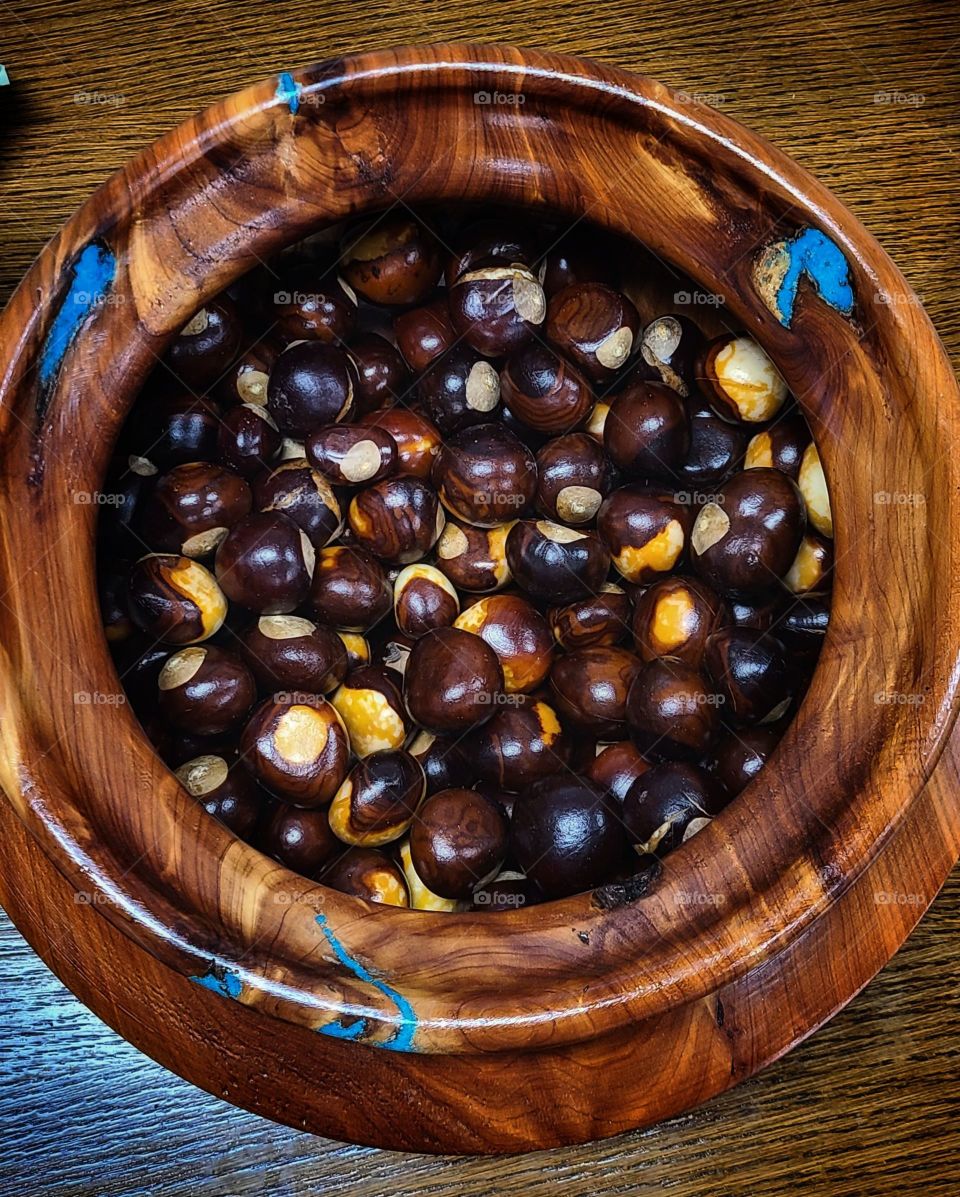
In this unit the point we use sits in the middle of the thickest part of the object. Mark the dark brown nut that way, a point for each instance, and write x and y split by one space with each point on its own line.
509 890
674 617
458 842
669 350
303 495
440 758
802 628
368 874
266 563
497 308
311 384
590 688
180 428
566 836
779 447
645 530
398 520
358 649
573 479
812 568
378 800
491 240
458 389
673 710
647 431
287 652
523 743
391 260
474 559
417 440
545 392
739 380
381 374
616 767
300 839
371 706
716 448
453 681
422 898
580 256
595 326
423 334
225 790
600 619
753 674
245 380
206 344
552 561
738 759
747 539
309 305
297 748
248 439
669 804
205 690
813 487
484 475
192 508
350 588
423 599
175 599
517 633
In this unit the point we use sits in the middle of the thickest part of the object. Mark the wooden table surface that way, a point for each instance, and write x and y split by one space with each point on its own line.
866 96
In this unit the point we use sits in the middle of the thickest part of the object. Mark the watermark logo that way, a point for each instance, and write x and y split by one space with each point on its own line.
899 698
99 99
508 99
698 498
98 498
707 299
904 99
884 897
712 99
96 698
898 498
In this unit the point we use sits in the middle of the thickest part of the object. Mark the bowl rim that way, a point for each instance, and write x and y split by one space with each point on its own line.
590 964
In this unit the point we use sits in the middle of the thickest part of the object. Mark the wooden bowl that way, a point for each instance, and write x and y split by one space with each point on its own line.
583 1017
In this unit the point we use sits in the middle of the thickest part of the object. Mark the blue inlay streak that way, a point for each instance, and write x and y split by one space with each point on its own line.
220 980
93 275
402 1039
813 253
288 90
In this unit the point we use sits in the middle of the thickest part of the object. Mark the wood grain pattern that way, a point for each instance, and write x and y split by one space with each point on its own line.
894 133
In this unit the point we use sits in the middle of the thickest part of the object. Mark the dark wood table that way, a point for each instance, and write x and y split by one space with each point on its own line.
866 96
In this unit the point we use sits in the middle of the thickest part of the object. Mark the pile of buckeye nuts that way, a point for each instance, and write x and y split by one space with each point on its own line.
448 581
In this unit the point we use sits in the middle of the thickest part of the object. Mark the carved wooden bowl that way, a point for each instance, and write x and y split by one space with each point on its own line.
582 1017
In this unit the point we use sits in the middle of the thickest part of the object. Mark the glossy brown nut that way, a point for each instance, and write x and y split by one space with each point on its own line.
552 561
573 478
368 874
175 599
300 839
458 841
440 757
308 305
245 380
738 758
297 748
673 710
669 350
248 439
378 800
779 447
674 617
474 559
523 743
590 688
371 706
739 380
391 260
545 392
647 432
180 428
205 690
812 568
423 334
645 529
287 652
398 520
350 588
311 384
206 344
747 539
813 487
566 836
595 326
716 449
616 767
265 563
458 389
517 633
600 619
193 507
303 495
491 240
453 681
497 307
416 438
225 790
752 672
485 475
669 804
580 256
423 599
381 374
